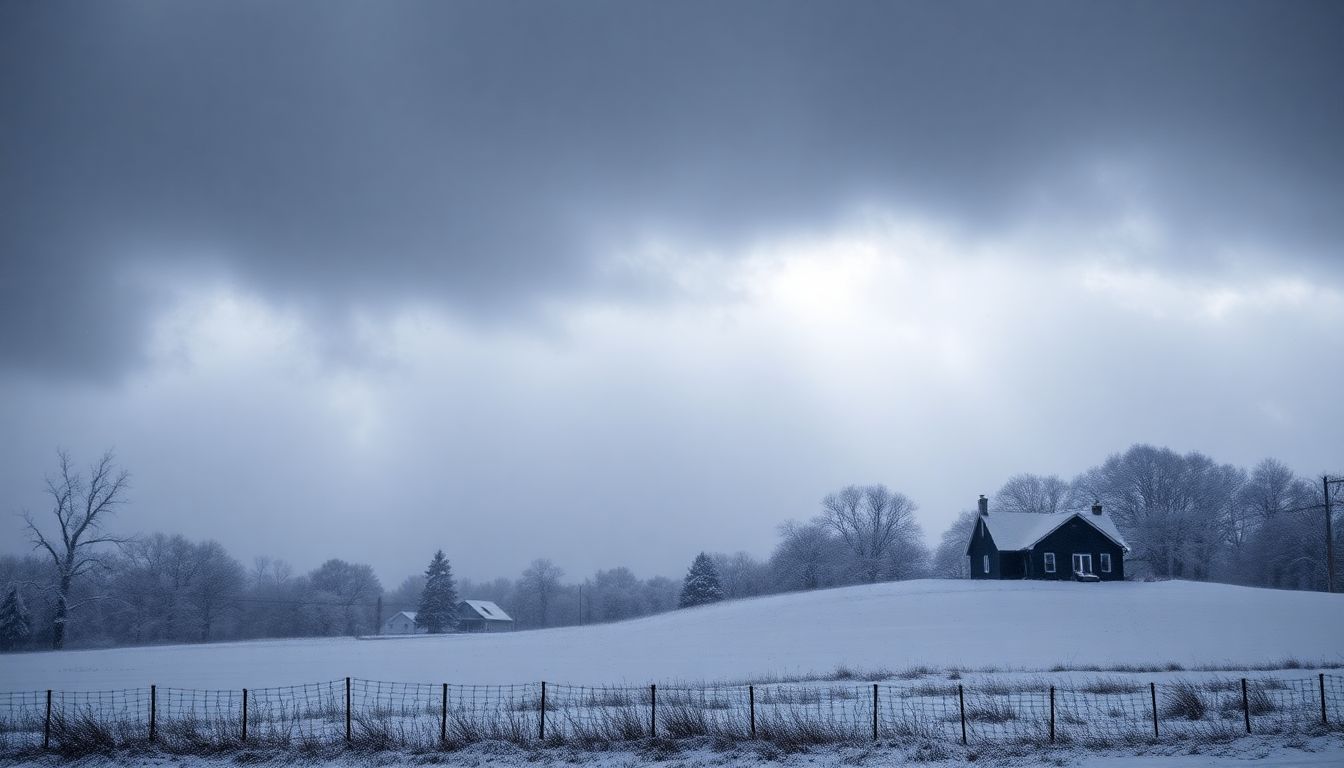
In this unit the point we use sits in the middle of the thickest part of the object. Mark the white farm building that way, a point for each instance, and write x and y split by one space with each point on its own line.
402 623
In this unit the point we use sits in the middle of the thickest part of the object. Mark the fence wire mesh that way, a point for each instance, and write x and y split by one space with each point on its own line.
423 715
598 713
22 719
313 713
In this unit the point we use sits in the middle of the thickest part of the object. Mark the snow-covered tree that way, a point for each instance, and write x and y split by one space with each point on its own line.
437 612
1178 511
1039 494
808 556
702 583
14 621
538 589
878 527
949 560
741 575
348 592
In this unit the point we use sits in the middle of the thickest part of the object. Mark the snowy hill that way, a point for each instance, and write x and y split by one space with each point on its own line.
1028 625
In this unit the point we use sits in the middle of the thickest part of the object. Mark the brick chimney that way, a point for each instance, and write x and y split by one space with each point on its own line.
984 505
1096 507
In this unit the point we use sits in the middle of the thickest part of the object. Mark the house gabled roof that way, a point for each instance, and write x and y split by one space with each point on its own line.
1013 531
486 610
408 614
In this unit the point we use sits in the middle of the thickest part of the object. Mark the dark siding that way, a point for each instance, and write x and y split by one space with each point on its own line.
1013 565
1077 536
982 543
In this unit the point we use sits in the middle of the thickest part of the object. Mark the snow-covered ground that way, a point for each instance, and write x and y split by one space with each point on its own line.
1251 752
967 624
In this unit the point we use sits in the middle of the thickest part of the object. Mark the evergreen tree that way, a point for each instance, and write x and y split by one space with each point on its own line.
14 629
438 602
702 583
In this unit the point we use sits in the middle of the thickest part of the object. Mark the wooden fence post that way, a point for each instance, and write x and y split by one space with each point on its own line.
1245 705
1152 691
751 703
244 715
542 728
443 717
874 711
46 725
1324 720
961 701
1052 714
349 733
153 710
653 710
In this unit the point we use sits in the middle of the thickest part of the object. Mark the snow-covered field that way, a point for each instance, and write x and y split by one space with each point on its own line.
1325 751
1005 625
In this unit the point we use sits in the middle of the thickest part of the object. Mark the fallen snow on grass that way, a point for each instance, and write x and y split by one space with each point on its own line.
942 624
1247 752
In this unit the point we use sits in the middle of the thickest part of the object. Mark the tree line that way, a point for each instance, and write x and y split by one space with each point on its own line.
1185 515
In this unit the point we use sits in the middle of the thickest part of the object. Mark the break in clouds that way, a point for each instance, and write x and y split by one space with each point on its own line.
590 280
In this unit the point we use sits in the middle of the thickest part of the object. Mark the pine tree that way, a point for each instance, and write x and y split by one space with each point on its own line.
14 624
702 583
438 602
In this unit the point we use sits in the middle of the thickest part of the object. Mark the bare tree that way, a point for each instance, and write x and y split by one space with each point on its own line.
152 577
541 582
1276 537
1040 494
219 580
349 587
808 556
80 508
874 522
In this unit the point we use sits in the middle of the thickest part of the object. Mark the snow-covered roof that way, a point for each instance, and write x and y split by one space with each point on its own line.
408 614
1022 530
487 610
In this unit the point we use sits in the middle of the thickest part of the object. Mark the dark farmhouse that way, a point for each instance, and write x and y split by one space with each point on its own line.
1068 545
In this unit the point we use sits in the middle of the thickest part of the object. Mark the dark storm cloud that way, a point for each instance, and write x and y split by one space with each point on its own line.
483 155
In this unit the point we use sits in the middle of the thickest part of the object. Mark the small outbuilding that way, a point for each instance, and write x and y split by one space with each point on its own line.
1067 545
402 623
482 616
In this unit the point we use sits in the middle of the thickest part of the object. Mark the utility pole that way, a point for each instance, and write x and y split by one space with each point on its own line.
1326 482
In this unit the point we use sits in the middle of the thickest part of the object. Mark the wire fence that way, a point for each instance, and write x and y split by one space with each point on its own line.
425 715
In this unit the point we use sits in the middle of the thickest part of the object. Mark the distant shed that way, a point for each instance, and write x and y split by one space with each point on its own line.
402 623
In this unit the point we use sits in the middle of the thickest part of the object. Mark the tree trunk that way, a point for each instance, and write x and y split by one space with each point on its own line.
58 622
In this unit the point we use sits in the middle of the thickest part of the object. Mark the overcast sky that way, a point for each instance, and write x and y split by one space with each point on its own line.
613 283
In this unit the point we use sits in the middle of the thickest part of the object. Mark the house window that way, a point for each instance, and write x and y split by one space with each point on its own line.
1049 562
1105 562
986 563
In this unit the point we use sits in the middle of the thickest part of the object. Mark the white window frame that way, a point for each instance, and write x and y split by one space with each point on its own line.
1077 562
986 563
1105 562
1049 562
